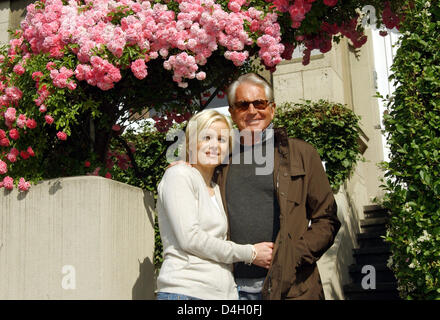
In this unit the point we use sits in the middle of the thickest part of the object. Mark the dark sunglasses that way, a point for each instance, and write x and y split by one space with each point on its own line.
258 104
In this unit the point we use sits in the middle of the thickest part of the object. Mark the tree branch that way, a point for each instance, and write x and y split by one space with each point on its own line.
139 174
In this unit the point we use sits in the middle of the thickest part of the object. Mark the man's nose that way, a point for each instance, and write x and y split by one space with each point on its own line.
251 108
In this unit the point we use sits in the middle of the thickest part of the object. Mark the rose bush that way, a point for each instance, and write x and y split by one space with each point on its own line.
76 68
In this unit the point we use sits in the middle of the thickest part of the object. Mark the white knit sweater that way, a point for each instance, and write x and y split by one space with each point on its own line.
197 257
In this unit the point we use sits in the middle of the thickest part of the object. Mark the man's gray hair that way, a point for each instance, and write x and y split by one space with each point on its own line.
249 78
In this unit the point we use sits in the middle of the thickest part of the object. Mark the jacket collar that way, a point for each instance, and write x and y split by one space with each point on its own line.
282 144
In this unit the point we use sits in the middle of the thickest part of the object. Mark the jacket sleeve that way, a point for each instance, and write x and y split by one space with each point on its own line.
321 210
177 193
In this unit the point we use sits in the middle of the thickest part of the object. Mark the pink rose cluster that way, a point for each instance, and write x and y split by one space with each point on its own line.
390 19
100 73
196 30
323 40
60 78
16 124
298 9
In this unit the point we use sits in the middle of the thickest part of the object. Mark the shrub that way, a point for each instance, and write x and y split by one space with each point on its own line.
331 128
413 172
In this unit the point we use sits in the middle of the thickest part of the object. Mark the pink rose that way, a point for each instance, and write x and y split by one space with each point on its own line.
14 134
18 69
139 69
49 119
10 114
201 75
24 155
30 152
14 151
4 142
96 172
21 121
37 75
31 123
11 157
8 183
3 167
50 65
23 185
62 136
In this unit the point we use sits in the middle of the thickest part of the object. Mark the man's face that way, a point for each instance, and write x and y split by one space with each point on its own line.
251 118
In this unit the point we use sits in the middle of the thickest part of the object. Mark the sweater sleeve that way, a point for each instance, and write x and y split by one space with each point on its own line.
177 193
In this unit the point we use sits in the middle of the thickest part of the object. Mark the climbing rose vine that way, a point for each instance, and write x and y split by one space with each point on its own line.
76 70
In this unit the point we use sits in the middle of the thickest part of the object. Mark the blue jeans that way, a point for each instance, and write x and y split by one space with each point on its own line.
174 296
243 295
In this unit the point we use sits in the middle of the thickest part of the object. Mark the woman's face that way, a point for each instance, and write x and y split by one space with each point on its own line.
213 144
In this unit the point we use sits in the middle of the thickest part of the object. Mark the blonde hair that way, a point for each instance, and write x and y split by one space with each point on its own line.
201 121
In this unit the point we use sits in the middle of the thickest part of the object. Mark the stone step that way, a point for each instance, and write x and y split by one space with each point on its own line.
372 255
371 239
375 211
383 291
374 225
382 273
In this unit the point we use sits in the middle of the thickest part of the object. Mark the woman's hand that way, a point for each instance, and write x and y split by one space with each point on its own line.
264 254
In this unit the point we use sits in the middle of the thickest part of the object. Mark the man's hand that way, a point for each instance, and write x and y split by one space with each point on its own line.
177 162
264 254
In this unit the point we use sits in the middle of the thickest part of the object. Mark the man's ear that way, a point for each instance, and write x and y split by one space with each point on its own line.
273 109
231 112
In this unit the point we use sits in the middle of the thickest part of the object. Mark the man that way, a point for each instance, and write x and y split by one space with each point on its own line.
292 206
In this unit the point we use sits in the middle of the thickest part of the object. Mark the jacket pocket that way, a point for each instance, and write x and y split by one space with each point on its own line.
302 282
296 186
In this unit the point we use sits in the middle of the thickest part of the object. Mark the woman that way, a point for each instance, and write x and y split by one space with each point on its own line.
193 224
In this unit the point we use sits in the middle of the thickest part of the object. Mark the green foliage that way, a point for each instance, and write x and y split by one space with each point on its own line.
331 128
151 163
413 172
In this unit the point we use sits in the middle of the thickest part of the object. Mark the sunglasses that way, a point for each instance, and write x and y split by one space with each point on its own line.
258 104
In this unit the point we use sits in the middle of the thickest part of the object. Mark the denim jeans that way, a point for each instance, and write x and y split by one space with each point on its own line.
243 295
174 296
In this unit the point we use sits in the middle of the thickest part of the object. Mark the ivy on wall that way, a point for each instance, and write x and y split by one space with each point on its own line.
412 175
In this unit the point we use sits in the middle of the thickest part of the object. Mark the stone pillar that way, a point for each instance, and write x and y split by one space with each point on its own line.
5 12
323 78
77 238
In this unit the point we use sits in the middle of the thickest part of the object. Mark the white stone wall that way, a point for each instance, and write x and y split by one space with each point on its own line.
5 12
99 230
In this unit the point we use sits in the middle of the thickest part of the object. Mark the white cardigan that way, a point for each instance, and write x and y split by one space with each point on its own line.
197 257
